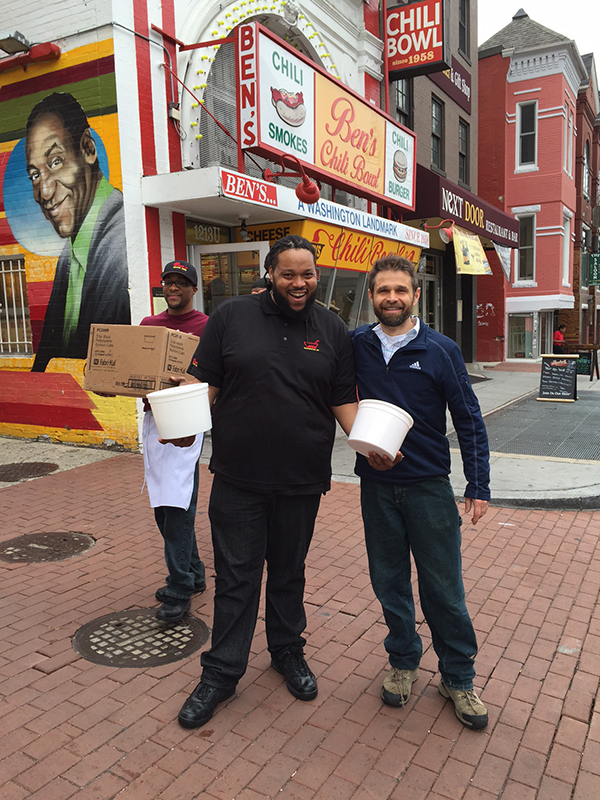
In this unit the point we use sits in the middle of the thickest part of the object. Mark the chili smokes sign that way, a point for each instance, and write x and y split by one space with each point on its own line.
288 105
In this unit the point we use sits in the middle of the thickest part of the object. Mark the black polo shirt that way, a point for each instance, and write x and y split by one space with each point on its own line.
273 428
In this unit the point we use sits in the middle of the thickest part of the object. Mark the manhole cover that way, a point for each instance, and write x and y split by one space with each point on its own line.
26 469
34 547
137 639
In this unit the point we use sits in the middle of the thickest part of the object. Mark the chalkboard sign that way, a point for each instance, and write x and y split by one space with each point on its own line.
584 363
558 380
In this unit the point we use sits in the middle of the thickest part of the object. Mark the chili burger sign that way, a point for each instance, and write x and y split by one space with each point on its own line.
286 104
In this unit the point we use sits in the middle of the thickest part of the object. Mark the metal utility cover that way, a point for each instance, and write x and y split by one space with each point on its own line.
135 638
10 473
42 547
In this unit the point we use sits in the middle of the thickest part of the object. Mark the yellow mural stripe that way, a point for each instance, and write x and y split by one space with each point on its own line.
123 436
69 58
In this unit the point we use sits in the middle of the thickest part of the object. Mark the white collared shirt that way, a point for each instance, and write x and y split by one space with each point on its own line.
389 344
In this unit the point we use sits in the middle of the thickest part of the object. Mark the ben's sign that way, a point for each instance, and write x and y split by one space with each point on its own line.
415 39
288 105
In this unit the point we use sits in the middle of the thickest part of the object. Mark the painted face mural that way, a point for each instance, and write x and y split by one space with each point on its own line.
64 174
62 236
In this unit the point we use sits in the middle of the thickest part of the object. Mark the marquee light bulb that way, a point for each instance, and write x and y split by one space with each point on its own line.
198 136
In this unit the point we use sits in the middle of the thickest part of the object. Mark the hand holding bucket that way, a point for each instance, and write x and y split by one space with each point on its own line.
181 411
379 427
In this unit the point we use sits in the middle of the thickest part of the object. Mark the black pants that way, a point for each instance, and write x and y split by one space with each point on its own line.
249 528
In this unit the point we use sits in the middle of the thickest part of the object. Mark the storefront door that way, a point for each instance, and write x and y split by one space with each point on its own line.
228 270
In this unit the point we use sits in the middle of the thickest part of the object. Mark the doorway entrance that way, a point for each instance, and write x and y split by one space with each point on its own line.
226 270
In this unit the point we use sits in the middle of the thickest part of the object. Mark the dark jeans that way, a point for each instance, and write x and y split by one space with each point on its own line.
422 518
176 525
249 528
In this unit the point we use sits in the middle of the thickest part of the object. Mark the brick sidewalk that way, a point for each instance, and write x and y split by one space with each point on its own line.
72 729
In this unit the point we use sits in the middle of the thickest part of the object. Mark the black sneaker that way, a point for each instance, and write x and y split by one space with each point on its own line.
173 609
299 679
201 704
161 594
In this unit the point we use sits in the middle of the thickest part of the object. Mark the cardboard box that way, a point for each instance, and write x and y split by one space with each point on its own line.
133 360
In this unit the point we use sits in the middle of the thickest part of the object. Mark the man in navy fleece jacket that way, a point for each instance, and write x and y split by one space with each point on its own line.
410 507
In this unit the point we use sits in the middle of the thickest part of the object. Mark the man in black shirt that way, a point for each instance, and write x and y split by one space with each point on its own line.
283 371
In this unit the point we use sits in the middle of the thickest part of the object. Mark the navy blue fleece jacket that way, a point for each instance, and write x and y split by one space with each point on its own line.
424 377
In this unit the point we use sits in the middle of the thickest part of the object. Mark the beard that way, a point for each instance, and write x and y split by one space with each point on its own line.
393 321
285 308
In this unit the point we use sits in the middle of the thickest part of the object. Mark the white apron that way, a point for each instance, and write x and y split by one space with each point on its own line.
169 470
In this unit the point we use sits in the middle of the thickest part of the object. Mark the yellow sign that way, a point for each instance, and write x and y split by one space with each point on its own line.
343 248
349 137
335 246
469 253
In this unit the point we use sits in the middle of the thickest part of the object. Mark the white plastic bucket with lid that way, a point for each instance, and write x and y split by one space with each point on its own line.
379 427
181 411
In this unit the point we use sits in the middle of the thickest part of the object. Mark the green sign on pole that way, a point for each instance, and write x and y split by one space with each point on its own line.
594 269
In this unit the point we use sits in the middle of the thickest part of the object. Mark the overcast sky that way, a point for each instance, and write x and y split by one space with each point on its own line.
577 19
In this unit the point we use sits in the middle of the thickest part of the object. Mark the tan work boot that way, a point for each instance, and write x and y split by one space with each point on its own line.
397 685
467 706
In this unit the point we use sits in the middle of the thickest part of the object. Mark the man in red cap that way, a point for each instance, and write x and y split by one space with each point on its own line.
172 472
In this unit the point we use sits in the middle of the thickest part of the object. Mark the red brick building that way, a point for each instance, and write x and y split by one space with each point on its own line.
583 321
529 78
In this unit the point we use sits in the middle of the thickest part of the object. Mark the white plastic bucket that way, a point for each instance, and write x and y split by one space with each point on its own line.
181 411
379 427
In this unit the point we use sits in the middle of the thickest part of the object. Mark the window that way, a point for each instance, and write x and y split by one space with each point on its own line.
15 330
570 154
586 170
566 249
437 133
404 102
526 134
566 139
463 151
463 26
526 256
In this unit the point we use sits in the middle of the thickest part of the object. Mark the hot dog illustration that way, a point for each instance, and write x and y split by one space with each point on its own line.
289 106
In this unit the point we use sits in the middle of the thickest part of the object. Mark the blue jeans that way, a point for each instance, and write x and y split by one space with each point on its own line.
422 518
249 528
186 571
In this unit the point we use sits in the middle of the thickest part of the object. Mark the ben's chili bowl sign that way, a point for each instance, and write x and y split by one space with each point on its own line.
304 112
349 137
415 38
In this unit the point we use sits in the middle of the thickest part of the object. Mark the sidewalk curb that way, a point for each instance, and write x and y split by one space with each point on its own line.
590 503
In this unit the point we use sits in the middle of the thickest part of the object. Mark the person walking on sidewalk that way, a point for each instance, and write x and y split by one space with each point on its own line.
279 357
408 505
558 340
172 473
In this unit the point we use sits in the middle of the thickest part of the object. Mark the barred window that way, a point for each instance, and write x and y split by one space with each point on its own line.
15 329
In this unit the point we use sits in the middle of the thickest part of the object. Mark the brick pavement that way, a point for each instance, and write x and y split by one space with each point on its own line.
72 729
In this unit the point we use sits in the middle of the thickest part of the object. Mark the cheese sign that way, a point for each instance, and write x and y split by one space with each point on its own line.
415 41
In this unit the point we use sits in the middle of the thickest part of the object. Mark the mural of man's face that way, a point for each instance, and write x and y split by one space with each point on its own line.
63 180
